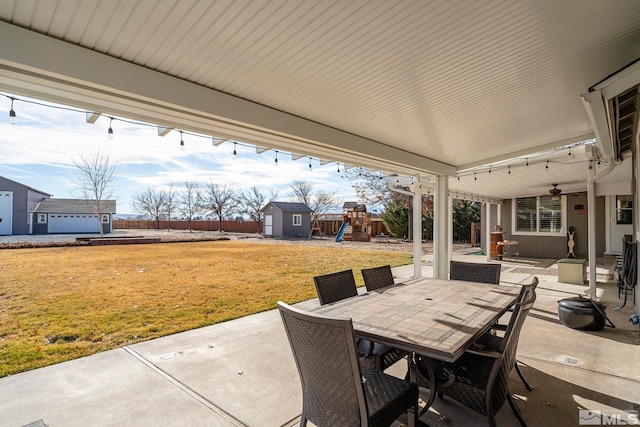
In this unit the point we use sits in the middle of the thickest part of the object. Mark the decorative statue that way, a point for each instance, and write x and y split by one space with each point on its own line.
571 243
498 228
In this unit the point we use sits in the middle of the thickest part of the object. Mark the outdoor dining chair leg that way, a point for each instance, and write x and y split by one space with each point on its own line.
515 410
522 378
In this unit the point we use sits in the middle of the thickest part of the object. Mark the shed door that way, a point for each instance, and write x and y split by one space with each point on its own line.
268 225
68 223
6 213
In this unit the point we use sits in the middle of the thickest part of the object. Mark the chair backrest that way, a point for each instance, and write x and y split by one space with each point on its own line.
377 277
335 286
475 272
500 373
325 354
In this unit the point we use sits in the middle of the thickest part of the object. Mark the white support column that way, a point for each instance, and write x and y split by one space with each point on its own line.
591 233
487 230
417 230
498 216
441 224
450 226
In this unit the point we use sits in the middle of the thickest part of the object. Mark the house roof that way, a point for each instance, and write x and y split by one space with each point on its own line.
414 88
290 207
26 186
75 206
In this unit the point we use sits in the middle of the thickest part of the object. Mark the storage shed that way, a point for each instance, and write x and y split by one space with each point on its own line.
286 219
72 216
16 203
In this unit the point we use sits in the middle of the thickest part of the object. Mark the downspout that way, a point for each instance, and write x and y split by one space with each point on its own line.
596 110
417 226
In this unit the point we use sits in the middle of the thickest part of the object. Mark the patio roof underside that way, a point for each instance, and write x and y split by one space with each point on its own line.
407 87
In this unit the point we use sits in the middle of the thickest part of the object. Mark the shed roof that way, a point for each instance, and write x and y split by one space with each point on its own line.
290 207
76 206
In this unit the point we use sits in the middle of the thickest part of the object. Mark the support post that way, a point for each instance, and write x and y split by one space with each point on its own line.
417 230
441 241
487 230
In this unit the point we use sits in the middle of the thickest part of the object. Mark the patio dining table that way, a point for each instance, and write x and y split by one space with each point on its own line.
435 318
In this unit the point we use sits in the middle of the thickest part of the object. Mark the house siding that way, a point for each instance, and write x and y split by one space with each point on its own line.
288 230
24 199
556 247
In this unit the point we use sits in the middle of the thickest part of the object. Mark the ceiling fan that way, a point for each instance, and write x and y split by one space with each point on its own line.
555 192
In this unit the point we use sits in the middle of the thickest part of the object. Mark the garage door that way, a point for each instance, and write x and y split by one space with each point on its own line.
67 223
6 212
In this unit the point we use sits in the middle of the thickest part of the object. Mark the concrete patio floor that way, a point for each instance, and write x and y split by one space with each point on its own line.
241 372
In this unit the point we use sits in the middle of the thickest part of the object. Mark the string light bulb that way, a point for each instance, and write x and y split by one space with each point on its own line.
13 119
310 167
181 141
547 165
509 167
275 162
110 130
338 167
235 153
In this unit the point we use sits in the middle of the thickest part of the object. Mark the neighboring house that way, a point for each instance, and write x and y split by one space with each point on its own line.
72 216
286 219
16 204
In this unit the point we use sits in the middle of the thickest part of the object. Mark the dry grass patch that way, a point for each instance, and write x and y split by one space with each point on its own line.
62 303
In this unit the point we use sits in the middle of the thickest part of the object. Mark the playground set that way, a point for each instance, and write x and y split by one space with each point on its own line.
355 224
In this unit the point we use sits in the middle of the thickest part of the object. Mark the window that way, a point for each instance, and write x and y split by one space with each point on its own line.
624 209
105 218
539 215
297 220
42 218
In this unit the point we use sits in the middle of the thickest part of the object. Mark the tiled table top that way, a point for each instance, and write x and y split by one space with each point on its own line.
432 317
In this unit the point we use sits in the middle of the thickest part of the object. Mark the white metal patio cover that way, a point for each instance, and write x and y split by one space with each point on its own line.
422 88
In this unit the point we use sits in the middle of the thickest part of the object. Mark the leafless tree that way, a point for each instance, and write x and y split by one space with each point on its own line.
323 201
320 201
190 202
220 200
369 186
273 194
252 202
170 204
150 202
96 181
302 191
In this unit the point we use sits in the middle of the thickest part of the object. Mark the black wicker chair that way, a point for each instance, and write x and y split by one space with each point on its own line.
337 286
475 272
479 378
336 390
377 277
484 273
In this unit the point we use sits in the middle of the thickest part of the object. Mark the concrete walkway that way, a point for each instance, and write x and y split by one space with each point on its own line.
241 372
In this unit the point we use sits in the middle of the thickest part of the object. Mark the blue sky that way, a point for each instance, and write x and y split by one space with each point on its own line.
39 151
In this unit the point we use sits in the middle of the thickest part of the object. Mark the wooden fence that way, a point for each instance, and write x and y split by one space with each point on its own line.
228 226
